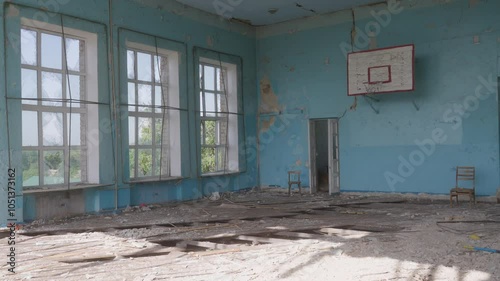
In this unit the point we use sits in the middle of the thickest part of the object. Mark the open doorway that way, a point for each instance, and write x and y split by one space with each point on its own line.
324 156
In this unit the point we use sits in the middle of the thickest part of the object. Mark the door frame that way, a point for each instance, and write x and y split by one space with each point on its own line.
333 163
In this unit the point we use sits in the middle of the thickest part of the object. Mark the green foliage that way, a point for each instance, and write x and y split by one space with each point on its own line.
208 153
53 160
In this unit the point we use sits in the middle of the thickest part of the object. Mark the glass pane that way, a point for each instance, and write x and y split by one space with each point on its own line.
52 129
210 104
130 65
29 86
222 131
30 128
158 102
52 88
131 155
157 60
209 78
221 104
145 162
73 53
28 47
201 76
158 131
51 51
221 159
158 164
207 160
144 67
75 126
202 130
131 96
145 98
73 90
131 131
75 168
145 131
210 133
218 78
202 106
31 175
53 167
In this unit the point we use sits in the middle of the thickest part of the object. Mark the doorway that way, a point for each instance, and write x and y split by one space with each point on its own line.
324 161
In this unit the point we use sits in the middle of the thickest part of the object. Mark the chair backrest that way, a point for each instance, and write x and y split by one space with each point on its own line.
293 176
466 174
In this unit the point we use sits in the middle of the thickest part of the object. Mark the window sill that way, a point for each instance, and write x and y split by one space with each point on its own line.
156 180
218 174
59 189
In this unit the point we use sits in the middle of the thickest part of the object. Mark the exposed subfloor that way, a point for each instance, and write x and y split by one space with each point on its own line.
266 235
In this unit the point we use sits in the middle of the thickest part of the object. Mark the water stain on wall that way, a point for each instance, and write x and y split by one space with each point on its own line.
269 100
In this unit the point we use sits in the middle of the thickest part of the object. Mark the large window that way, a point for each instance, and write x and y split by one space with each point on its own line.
153 120
55 120
218 115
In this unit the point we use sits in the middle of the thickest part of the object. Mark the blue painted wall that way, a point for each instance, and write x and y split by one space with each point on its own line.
166 19
304 64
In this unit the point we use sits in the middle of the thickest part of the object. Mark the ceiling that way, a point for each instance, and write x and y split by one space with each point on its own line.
257 12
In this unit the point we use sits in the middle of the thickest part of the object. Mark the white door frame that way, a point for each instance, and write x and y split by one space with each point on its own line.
333 162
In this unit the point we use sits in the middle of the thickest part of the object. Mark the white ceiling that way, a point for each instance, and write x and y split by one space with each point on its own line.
256 12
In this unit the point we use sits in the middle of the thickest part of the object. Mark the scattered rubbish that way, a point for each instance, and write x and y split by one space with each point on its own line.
474 237
215 196
489 250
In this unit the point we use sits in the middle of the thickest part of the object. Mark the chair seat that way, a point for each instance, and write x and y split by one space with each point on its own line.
462 190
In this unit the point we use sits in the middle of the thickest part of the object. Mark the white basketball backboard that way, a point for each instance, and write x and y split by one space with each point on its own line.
381 71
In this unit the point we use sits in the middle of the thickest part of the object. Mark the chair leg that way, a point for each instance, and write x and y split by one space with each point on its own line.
300 189
456 196
451 201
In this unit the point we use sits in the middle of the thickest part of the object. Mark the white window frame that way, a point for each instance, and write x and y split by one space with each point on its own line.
171 158
231 82
90 124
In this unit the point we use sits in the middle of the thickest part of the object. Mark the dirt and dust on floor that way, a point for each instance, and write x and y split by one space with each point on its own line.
267 235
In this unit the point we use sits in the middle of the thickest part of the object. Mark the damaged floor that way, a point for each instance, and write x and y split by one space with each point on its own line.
266 235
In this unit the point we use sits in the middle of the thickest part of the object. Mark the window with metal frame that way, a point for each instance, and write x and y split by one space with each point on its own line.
214 113
149 126
54 122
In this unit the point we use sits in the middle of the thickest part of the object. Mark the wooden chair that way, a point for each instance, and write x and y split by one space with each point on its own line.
293 178
464 174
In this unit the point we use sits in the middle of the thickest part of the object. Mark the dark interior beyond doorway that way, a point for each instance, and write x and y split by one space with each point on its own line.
322 155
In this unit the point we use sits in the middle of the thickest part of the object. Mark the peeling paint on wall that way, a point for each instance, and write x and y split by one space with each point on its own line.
266 124
473 3
269 100
13 11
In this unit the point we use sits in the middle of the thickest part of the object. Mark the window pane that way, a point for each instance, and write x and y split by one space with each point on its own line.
221 104
202 106
52 129
160 164
74 124
31 175
158 131
52 88
75 169
131 131
210 133
53 167
162 71
73 90
207 160
130 64
145 98
222 131
131 96
73 53
145 162
210 104
51 51
158 102
220 85
145 131
28 47
29 86
30 128
221 159
131 155
209 78
144 67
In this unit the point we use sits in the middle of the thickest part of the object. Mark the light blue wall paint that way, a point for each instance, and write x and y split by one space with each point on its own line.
307 68
165 19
